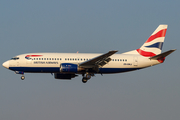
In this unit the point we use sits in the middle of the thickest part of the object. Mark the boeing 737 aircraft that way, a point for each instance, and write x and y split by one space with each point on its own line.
69 65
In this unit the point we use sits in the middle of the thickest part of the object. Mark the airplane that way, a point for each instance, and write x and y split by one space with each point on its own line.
69 65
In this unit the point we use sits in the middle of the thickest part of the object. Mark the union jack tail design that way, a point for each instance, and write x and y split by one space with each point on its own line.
154 43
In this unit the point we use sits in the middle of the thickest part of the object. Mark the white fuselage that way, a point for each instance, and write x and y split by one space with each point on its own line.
50 62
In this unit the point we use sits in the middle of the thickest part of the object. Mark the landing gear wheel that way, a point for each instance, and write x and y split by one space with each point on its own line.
88 76
22 77
84 80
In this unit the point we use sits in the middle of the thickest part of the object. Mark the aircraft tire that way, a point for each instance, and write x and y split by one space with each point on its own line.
22 77
84 80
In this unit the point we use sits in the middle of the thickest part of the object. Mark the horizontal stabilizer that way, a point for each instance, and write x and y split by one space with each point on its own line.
162 55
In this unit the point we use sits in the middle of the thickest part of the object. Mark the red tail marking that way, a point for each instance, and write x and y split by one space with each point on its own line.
161 60
33 55
145 54
161 33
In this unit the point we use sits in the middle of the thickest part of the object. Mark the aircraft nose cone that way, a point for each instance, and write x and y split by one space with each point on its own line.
6 64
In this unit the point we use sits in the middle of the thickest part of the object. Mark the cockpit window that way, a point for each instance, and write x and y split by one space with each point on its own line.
15 58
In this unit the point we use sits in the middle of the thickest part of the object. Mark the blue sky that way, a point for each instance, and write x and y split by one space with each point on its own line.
94 26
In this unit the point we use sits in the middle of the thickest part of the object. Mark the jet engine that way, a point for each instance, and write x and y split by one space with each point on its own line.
70 68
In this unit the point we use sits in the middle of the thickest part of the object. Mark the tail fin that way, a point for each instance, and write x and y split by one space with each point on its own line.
154 43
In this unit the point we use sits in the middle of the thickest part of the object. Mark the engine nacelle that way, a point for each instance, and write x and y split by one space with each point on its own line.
64 76
69 68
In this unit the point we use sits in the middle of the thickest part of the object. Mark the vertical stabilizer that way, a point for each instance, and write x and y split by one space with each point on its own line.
154 43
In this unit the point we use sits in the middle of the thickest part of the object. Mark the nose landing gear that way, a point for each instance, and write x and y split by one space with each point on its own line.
22 77
21 73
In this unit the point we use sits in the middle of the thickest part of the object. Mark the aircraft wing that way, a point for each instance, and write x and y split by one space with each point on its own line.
98 61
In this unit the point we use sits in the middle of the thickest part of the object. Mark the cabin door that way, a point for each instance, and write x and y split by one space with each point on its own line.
135 61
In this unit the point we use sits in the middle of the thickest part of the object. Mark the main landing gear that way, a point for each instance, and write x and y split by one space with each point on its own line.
84 80
86 77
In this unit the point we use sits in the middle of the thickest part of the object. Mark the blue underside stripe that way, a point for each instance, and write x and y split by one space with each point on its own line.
116 70
57 69
36 69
